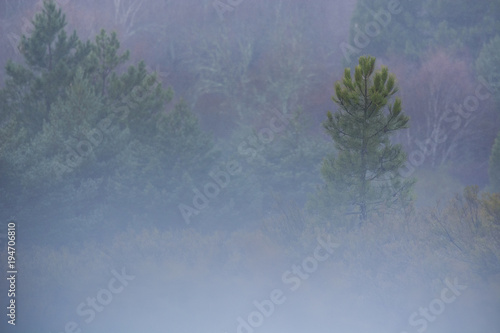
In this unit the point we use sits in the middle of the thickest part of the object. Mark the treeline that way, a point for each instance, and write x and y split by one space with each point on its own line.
87 143
93 138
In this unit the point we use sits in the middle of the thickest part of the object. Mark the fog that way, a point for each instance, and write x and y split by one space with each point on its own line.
194 166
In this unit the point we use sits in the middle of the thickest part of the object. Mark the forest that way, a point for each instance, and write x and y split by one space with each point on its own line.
250 166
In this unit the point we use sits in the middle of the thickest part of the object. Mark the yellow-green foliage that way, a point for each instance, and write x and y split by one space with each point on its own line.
490 203
468 229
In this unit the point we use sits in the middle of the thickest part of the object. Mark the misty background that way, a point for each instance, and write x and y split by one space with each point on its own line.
187 156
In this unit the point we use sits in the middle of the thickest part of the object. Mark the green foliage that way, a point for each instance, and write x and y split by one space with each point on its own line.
364 173
494 167
104 59
468 227
288 165
490 203
460 26
81 142
58 173
142 97
51 58
488 64
67 123
159 173
397 34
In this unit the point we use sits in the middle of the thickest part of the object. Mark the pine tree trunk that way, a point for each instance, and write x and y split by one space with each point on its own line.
363 155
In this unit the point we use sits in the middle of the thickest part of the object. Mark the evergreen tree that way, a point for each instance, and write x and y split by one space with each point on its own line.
79 141
104 59
283 163
364 173
59 171
51 59
139 98
153 176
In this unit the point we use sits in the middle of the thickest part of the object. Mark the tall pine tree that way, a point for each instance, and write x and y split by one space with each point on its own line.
363 175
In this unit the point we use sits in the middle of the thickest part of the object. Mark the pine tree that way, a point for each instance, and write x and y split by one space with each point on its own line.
104 59
283 165
364 173
78 138
51 59
159 173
